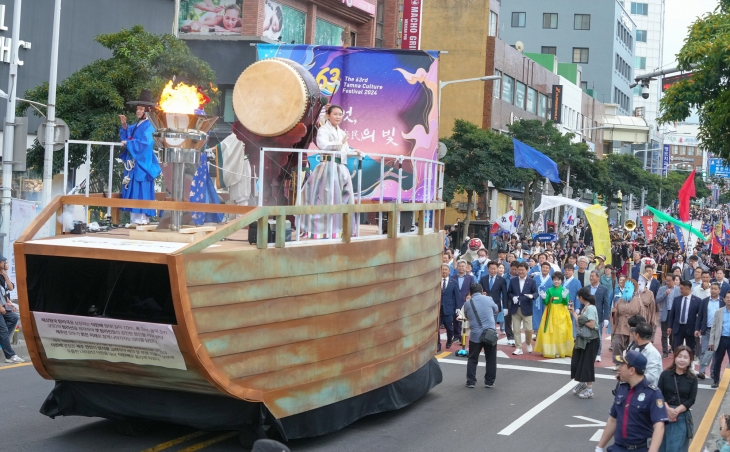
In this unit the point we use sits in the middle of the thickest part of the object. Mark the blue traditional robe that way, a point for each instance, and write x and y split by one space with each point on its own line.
543 284
203 190
141 166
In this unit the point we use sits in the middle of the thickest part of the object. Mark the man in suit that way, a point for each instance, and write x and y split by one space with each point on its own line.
496 287
708 308
689 272
683 318
521 293
449 298
464 282
664 299
603 306
720 339
724 286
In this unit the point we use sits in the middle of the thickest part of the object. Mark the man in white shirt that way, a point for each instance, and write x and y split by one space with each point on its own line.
702 290
642 342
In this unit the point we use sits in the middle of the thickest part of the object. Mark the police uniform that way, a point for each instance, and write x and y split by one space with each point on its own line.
636 410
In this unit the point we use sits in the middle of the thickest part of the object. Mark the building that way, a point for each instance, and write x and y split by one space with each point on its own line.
684 152
649 18
598 35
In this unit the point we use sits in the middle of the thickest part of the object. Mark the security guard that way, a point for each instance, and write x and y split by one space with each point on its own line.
638 413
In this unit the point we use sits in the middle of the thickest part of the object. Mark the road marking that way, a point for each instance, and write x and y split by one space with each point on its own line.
593 422
209 442
174 442
541 370
441 355
709 418
597 436
15 365
525 418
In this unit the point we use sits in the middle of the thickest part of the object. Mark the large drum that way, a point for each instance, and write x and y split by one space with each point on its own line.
272 96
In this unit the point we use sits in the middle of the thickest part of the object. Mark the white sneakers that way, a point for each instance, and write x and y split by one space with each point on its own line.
517 352
598 358
511 342
15 359
529 348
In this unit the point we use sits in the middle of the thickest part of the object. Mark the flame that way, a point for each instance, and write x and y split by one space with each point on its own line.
181 98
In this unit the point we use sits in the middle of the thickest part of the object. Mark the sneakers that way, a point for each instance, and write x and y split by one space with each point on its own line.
701 376
511 342
470 385
488 386
714 385
448 344
587 393
517 352
15 359
529 348
598 358
579 388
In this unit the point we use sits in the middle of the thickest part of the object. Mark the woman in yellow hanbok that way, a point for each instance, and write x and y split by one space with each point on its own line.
555 336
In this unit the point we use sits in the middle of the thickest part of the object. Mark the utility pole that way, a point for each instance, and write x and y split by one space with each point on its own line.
643 193
51 111
9 129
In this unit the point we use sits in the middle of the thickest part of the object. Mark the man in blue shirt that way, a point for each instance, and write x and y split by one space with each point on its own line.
720 338
706 316
638 414
483 319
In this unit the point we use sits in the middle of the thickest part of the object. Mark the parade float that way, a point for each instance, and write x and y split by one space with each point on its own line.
211 328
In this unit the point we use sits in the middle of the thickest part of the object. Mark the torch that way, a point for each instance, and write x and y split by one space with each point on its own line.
180 135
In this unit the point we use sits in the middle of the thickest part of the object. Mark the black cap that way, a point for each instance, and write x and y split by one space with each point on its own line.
145 99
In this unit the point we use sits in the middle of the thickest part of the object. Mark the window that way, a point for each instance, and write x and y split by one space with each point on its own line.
580 55
549 20
380 24
296 22
228 114
548 50
682 150
531 101
496 88
508 86
582 22
640 35
520 95
690 150
641 9
637 90
640 63
584 85
542 106
328 34
493 18
674 150
518 20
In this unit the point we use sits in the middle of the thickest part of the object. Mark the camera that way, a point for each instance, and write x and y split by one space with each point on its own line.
645 92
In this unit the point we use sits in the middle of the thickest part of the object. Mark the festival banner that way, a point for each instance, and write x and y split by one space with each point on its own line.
568 220
680 237
665 160
389 100
412 14
650 227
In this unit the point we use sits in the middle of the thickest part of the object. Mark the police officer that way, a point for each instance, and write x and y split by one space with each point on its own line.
638 413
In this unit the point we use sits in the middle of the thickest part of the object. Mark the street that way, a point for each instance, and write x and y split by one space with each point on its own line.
531 408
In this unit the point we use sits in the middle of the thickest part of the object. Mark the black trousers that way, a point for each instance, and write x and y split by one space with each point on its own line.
490 356
457 329
448 322
508 327
685 335
723 348
665 338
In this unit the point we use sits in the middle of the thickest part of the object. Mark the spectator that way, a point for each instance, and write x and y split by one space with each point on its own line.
678 385
665 296
8 314
683 317
720 338
708 308
582 274
642 343
522 292
725 432
586 348
480 311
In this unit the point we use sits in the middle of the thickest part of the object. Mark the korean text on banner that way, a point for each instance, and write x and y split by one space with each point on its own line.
412 14
74 337
650 227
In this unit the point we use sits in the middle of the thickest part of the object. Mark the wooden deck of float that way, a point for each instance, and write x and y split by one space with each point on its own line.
296 327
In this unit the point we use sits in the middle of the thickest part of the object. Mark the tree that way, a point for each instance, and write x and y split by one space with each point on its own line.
546 138
725 198
475 156
624 172
91 99
708 47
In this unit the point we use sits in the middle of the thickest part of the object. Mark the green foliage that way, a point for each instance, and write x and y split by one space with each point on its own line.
624 172
673 183
707 46
725 198
91 99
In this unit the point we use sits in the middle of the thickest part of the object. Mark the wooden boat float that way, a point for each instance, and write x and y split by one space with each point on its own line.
296 328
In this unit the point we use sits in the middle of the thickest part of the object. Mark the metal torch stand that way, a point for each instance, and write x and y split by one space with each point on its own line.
179 158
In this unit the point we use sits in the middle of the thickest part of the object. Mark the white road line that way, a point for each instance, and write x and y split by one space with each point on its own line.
525 418
538 369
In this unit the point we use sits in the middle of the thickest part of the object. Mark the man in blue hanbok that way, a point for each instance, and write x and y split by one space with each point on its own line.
141 166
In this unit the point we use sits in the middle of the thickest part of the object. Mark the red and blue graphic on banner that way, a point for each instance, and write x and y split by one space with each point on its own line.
390 100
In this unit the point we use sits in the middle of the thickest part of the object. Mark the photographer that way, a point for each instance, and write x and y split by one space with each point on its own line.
8 314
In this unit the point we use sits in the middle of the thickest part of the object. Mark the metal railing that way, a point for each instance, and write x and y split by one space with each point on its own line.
88 144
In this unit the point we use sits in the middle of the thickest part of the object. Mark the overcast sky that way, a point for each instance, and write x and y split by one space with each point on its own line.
680 14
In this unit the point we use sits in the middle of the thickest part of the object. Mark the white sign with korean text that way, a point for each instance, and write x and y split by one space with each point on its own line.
75 337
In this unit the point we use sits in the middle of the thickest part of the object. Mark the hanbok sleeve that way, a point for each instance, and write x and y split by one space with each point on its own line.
328 139
140 147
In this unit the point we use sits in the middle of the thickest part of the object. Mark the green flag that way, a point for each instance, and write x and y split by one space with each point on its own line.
663 218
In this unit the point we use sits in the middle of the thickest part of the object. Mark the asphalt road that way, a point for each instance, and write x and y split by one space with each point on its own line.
530 409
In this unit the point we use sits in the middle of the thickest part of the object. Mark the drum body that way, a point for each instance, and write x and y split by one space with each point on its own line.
272 96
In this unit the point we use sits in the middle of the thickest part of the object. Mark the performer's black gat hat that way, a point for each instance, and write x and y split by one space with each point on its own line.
145 99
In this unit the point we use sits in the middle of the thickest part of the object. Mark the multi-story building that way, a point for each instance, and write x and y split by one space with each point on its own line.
598 35
684 151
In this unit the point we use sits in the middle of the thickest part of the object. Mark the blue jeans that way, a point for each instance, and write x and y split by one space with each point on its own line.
7 328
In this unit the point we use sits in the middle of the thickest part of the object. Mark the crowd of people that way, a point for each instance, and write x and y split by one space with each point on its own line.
563 298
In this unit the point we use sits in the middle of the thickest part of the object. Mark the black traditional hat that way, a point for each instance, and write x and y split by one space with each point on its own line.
145 99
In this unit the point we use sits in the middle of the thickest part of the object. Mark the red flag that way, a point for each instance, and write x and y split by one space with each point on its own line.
650 227
716 246
687 191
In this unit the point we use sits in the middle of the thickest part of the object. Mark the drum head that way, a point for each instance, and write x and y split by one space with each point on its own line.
270 98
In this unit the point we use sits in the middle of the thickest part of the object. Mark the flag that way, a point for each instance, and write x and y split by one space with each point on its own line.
495 229
685 193
527 157
680 237
650 227
540 226
568 220
507 222
203 190
726 226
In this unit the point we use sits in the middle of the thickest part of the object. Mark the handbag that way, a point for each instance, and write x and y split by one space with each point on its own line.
688 415
489 335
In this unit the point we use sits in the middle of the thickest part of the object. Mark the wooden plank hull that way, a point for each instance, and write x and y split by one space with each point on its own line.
296 328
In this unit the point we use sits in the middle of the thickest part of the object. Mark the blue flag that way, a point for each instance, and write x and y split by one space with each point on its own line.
680 237
527 157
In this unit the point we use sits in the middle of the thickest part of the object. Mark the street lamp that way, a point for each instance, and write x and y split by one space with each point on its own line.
476 79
